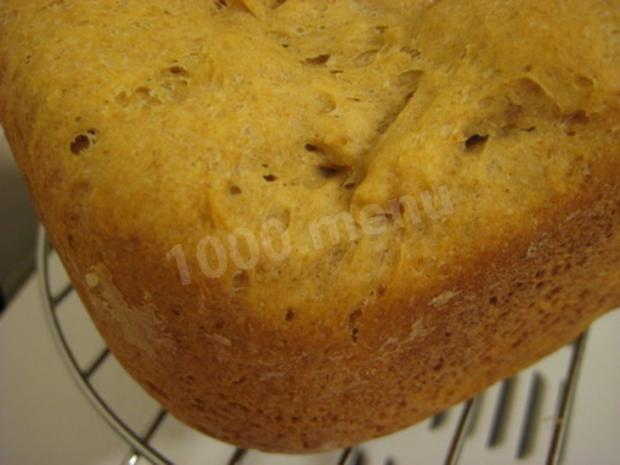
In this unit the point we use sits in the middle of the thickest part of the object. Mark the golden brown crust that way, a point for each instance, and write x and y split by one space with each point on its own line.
348 341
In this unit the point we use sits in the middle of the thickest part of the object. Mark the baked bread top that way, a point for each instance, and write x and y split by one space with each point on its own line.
212 116
278 179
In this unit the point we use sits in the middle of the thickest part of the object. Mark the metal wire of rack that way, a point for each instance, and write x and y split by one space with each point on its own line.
140 442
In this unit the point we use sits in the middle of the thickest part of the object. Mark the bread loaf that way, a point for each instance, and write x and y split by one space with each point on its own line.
301 224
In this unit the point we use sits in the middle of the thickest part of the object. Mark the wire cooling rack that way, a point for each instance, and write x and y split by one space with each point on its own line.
141 442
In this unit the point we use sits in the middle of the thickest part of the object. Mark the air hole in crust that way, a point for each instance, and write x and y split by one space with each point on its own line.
270 178
353 324
475 143
329 172
235 190
80 144
177 70
318 60
290 315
